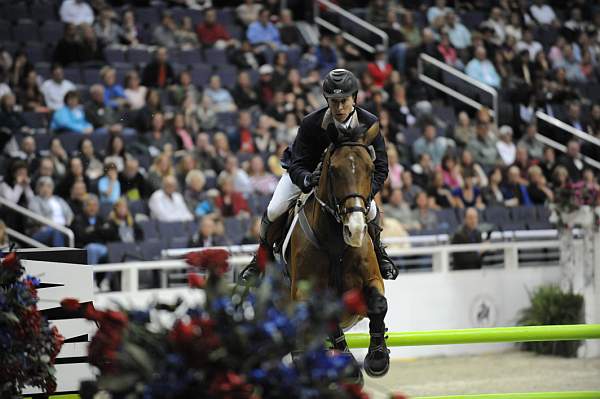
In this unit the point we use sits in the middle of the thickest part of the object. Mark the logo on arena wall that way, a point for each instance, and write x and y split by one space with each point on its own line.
483 311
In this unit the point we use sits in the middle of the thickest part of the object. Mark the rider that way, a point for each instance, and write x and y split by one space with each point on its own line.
340 88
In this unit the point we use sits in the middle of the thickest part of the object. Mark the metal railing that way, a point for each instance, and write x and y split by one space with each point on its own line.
427 59
513 255
562 148
567 128
354 19
23 238
40 219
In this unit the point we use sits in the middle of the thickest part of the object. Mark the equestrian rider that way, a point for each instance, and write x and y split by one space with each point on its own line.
316 131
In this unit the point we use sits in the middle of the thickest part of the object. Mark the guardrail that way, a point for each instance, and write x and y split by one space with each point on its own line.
562 148
40 219
511 255
567 128
356 20
427 59
23 238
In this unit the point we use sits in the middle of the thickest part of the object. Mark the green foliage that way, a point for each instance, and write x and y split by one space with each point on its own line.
551 306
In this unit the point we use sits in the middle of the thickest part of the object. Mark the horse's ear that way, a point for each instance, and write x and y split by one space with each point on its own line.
372 132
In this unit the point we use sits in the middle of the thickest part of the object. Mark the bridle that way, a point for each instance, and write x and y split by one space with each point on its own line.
334 206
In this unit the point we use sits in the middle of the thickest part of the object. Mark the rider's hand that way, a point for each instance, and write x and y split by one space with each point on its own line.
311 180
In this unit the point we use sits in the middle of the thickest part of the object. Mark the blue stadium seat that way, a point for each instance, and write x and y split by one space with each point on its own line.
235 229
540 225
149 229
138 207
200 74
5 31
147 15
91 76
73 74
524 213
171 229
35 120
36 52
51 32
113 55
105 209
151 249
496 214
43 11
543 213
14 11
138 56
25 31
228 75
122 251
189 57
226 15
215 56
70 141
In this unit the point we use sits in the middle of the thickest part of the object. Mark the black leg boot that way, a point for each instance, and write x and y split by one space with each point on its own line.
353 373
250 275
377 361
388 270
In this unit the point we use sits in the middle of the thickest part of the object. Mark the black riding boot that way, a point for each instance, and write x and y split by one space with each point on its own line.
251 273
386 264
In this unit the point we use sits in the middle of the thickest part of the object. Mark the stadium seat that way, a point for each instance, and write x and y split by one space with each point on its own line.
113 55
215 56
25 31
151 249
91 76
35 120
189 57
200 74
149 229
540 225
105 209
51 32
228 75
122 251
524 213
36 52
147 15
5 31
543 213
171 229
496 214
138 56
226 15
14 11
42 11
138 207
235 229
73 74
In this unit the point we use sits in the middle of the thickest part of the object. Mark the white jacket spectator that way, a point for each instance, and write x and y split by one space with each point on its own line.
76 12
505 146
168 205
532 46
542 13
55 89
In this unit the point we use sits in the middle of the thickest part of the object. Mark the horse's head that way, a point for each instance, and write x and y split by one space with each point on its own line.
349 169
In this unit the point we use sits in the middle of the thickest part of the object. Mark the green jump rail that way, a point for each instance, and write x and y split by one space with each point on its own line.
482 335
529 395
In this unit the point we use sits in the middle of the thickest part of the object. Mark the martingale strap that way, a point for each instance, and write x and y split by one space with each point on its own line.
308 232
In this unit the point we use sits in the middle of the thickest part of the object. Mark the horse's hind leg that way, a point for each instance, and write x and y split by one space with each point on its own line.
377 361
338 341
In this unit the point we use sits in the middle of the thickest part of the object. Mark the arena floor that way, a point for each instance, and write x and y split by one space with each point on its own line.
512 371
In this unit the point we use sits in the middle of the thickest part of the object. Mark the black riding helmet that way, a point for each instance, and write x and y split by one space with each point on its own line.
340 83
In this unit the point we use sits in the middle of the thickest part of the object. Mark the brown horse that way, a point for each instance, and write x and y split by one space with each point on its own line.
330 245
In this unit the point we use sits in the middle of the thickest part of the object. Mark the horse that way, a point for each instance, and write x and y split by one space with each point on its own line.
330 246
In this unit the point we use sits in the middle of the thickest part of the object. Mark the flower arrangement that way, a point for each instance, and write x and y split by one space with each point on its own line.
233 345
573 205
28 345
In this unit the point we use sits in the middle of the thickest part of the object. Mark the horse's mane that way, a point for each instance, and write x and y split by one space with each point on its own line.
351 135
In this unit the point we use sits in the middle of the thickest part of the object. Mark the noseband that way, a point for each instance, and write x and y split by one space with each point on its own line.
337 208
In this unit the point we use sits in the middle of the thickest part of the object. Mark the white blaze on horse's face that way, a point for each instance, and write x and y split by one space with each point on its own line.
355 225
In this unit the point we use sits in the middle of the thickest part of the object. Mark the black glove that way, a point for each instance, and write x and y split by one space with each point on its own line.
311 180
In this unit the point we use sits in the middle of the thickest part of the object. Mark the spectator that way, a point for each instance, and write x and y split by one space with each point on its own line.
280 69
482 146
469 195
246 57
220 97
70 117
52 207
69 48
109 186
497 23
134 92
538 190
327 54
196 198
423 214
528 44
115 152
230 202
470 168
11 121
243 93
164 35
29 94
92 164
241 180
264 140
265 87
574 117
58 156
162 166
76 12
380 69
182 133
158 73
395 168
451 172
211 33
493 195
542 13
377 13
263 182
437 10
289 33
206 155
572 161
248 11
481 69
571 65
398 209
5 243
186 36
523 162
114 95
134 186
56 88
159 139
130 32
505 146
439 194
102 117
121 225
253 234
534 147
202 116
168 205
46 169
463 131
90 48
75 173
15 187
430 144
106 29
183 89
185 164
468 233
88 230
263 32
448 52
459 35
409 190
422 170
515 193
207 236
77 195
19 69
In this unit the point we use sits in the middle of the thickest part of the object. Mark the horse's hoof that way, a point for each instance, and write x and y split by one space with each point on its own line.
377 362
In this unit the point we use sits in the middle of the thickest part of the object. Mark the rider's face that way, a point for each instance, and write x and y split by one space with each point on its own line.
341 107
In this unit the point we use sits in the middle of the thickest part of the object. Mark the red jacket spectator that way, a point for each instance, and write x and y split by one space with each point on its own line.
380 70
210 31
230 202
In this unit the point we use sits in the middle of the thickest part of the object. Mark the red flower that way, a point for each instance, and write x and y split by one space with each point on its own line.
398 395
70 304
119 319
196 281
91 313
58 342
214 260
11 261
355 391
182 333
354 301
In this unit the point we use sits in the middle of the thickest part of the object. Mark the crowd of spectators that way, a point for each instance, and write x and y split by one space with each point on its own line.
153 139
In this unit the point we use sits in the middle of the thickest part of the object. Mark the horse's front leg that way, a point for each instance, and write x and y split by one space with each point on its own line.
377 361
338 342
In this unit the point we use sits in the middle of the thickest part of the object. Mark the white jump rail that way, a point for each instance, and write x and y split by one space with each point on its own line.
241 255
424 58
356 20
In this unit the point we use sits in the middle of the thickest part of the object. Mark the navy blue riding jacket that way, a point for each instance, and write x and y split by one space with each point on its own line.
314 136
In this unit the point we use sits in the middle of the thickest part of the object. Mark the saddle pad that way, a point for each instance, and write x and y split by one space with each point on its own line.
299 204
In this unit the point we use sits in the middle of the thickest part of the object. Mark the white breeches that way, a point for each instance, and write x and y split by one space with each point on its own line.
287 192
